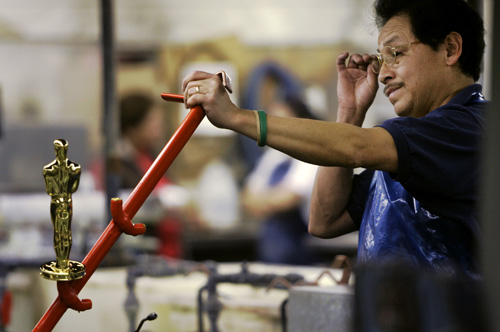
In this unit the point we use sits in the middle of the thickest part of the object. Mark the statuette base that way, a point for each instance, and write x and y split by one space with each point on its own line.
75 271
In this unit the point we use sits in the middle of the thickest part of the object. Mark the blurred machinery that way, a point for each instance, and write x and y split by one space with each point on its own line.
305 301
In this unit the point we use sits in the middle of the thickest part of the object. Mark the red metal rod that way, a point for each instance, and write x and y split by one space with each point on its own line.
173 97
141 192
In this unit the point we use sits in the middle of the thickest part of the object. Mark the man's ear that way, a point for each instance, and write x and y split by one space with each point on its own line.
453 43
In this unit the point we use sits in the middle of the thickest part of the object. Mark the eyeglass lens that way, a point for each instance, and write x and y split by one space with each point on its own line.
387 56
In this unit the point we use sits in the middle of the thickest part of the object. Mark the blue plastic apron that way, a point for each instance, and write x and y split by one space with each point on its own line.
396 227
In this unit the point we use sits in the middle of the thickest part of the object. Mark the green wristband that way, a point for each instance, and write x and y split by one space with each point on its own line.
263 128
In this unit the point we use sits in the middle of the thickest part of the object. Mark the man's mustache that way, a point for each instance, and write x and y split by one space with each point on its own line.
393 86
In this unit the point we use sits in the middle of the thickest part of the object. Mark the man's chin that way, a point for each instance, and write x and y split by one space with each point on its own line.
400 111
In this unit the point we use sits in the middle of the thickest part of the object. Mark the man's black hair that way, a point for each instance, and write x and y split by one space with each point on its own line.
433 20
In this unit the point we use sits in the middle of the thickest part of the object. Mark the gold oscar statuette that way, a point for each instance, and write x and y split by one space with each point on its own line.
62 177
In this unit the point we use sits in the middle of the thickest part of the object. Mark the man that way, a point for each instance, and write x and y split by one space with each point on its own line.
424 161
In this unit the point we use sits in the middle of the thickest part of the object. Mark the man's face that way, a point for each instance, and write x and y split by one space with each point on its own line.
413 83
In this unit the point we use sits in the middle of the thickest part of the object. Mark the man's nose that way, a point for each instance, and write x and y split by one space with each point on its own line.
386 73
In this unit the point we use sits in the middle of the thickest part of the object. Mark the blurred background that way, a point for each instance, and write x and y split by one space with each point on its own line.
51 86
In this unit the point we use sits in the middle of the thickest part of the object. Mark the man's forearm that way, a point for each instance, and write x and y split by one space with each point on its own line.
323 143
328 216
329 200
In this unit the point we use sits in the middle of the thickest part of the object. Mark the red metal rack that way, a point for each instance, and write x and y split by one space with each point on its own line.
121 223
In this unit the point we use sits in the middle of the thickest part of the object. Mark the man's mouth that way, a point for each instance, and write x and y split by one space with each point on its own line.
390 88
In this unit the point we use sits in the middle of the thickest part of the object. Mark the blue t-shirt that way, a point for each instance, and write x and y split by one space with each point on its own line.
426 211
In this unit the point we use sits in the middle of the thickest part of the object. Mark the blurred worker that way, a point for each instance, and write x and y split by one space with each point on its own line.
277 193
417 201
141 121
141 124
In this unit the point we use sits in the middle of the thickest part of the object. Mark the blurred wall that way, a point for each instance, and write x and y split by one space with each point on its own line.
50 60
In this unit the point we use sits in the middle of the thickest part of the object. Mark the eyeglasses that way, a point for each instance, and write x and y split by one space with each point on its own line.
388 55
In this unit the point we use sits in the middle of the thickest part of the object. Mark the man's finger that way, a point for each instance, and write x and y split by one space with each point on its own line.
195 76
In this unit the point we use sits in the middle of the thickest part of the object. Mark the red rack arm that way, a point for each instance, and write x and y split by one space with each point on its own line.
141 192
173 97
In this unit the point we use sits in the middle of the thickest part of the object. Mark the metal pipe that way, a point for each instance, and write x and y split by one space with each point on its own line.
110 118
490 185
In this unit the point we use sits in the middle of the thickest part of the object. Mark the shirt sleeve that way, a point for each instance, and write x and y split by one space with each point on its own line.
437 157
300 178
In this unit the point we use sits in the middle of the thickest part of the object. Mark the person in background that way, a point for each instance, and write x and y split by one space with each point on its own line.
417 202
141 127
277 193
141 124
